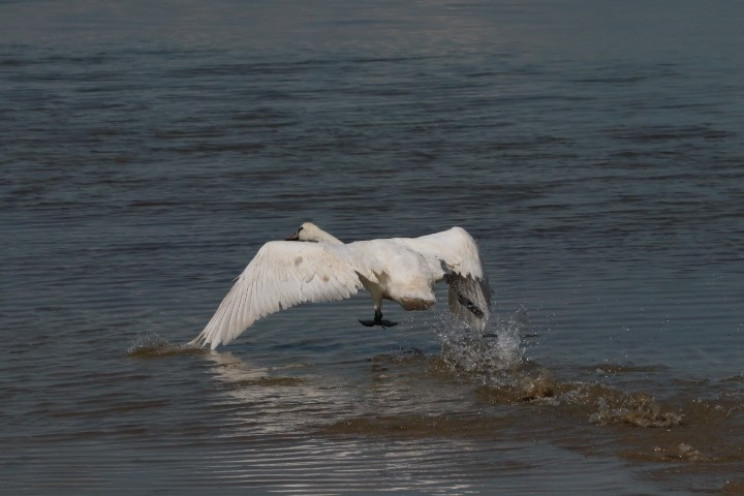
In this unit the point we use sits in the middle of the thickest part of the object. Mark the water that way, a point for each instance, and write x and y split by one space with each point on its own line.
594 150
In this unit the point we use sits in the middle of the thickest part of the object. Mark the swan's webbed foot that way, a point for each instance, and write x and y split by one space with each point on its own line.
378 321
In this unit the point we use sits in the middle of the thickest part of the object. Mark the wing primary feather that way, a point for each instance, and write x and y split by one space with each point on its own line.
470 300
272 282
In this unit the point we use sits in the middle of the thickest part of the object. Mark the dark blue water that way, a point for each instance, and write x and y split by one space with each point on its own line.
594 149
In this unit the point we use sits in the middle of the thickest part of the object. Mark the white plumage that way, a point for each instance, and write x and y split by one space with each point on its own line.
286 273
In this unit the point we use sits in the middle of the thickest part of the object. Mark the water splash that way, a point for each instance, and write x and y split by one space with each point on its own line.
494 350
151 344
637 410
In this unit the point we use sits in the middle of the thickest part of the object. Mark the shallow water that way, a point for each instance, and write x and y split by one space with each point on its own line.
594 151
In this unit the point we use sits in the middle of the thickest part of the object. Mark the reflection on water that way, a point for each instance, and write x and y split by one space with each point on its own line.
423 422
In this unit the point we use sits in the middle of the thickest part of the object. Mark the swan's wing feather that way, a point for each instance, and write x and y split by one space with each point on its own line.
281 275
470 300
457 252
454 248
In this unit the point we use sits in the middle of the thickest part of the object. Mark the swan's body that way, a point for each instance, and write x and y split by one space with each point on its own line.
286 273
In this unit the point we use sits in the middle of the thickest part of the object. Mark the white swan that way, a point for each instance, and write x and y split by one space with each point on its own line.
286 273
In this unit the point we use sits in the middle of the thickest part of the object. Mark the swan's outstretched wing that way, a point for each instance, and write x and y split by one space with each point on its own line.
457 252
454 248
470 300
281 275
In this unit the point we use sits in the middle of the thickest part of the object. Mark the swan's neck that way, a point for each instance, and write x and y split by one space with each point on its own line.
324 237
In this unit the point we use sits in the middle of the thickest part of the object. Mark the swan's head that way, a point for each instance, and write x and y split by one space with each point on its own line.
312 233
307 232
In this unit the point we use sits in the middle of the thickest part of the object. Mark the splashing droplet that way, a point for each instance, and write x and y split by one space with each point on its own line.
152 344
496 349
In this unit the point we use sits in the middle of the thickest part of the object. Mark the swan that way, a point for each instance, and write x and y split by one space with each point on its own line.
314 266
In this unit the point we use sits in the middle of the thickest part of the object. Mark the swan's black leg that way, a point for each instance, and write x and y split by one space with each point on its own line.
378 321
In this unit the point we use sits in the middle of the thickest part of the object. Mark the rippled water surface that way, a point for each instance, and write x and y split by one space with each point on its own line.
595 150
